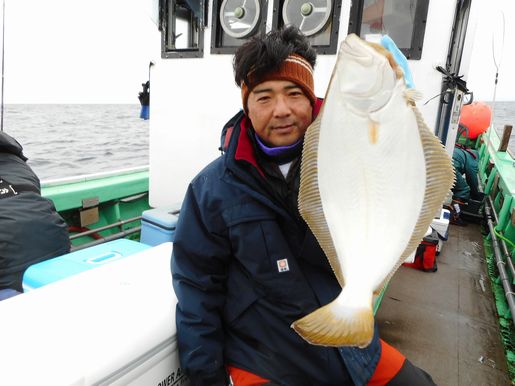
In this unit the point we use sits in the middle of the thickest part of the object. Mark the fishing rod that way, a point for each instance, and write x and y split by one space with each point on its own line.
3 56
497 63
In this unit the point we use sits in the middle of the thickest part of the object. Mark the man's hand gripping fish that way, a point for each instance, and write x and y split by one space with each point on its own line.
372 177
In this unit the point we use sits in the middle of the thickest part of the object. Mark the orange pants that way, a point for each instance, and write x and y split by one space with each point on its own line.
389 365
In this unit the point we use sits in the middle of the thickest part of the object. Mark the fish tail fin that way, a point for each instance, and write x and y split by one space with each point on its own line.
343 322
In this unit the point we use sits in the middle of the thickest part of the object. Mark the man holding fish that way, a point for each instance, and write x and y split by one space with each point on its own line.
247 267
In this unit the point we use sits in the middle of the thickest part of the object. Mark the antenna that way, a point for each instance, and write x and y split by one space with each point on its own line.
3 51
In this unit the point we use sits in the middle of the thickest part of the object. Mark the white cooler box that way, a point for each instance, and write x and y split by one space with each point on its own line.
113 325
441 225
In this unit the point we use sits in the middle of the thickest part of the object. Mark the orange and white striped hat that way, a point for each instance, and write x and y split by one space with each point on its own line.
294 68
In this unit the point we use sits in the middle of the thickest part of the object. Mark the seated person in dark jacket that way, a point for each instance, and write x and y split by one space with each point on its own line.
31 229
245 265
465 163
466 187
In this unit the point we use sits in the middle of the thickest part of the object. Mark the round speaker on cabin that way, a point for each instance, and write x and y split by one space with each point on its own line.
238 18
310 16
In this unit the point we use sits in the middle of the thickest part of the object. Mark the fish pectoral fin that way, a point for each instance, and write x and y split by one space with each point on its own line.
337 324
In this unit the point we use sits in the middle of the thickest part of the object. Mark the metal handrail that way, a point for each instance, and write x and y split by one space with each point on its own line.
507 254
508 291
99 229
102 240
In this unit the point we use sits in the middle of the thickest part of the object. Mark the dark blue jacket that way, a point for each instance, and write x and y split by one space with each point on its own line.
235 307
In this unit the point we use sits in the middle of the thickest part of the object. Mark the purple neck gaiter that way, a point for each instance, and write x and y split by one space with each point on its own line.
280 153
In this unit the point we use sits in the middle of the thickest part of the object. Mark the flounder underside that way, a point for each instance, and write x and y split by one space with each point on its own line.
373 175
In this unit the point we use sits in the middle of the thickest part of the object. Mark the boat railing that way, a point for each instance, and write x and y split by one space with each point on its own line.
100 240
101 207
497 177
93 176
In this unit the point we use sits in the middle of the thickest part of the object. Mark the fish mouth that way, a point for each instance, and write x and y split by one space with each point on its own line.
356 50
366 79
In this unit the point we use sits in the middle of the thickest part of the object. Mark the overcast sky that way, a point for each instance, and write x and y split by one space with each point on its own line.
70 51
98 51
482 68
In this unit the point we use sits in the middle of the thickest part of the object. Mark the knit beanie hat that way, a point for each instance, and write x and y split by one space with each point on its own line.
294 68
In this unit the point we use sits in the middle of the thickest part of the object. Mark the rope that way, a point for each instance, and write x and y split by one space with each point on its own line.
506 240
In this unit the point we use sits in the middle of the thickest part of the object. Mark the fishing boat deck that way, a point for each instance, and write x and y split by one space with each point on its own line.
445 322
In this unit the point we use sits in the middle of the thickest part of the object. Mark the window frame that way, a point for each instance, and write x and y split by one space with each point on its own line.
329 49
419 26
216 28
165 8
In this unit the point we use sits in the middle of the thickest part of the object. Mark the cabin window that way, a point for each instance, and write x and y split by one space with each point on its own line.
317 19
403 20
234 22
182 28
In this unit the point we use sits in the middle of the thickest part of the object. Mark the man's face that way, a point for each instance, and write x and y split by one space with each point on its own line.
279 111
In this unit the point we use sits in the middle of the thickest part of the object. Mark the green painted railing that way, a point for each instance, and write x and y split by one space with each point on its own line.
116 196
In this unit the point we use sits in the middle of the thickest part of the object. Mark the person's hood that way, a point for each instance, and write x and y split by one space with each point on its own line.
9 145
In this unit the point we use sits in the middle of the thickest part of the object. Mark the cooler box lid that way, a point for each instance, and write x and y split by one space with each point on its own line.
58 268
165 218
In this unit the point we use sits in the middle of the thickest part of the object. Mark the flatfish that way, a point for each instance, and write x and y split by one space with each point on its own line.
373 175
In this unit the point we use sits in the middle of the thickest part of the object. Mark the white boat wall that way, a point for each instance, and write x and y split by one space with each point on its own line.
192 97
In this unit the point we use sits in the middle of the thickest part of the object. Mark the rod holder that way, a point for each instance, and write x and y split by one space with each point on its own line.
505 141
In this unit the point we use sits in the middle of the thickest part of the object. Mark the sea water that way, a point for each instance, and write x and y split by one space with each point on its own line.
69 140
63 140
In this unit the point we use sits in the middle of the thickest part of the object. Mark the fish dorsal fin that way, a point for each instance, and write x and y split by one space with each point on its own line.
412 95
439 180
310 204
